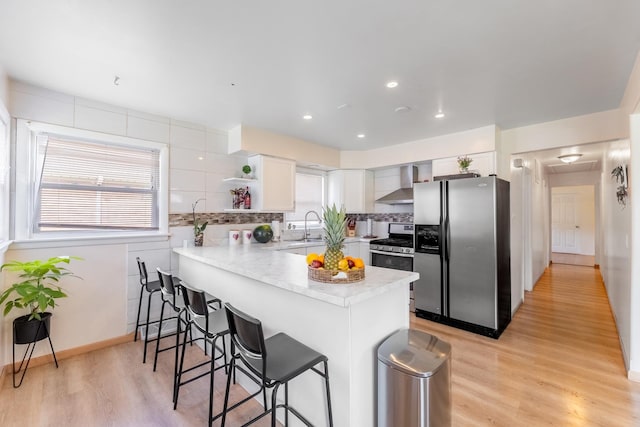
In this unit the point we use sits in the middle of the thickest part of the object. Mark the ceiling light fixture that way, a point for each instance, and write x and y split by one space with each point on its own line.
361 135
402 109
392 84
439 115
307 117
569 158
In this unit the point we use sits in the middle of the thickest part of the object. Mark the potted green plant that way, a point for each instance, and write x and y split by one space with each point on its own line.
36 292
463 163
246 170
198 227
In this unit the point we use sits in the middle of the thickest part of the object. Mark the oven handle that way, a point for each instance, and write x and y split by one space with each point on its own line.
391 253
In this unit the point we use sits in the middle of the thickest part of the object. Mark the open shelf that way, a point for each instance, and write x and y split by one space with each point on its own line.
234 179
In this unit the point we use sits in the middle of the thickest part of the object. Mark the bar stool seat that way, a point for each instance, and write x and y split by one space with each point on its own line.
271 363
212 324
152 288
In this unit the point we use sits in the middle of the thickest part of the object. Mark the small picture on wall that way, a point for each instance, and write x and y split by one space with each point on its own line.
619 174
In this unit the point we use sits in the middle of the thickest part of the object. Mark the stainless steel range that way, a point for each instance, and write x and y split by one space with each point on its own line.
396 251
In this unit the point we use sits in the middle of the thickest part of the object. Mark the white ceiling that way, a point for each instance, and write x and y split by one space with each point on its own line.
266 63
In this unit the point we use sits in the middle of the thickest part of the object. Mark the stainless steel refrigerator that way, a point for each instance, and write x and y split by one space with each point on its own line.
462 252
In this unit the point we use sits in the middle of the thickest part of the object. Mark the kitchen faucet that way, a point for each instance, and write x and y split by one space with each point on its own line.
306 233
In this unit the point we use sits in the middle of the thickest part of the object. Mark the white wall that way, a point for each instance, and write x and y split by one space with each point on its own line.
198 163
634 283
616 257
94 310
4 87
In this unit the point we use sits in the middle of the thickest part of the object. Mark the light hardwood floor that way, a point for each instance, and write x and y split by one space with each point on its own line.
558 363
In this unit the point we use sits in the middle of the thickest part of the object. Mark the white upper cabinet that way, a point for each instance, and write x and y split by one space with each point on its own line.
352 188
483 163
275 185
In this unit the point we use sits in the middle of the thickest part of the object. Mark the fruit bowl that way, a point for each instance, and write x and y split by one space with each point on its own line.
335 276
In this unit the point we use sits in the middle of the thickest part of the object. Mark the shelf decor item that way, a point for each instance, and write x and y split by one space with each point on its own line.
36 292
246 170
198 227
238 197
463 163
349 270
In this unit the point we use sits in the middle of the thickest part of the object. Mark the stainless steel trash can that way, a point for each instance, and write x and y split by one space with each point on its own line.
414 380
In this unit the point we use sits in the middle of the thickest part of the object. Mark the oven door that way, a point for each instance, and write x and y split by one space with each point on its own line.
393 260
397 262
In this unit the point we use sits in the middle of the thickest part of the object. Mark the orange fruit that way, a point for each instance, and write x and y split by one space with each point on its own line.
312 257
358 263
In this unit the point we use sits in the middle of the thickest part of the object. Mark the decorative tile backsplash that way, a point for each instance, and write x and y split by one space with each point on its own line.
383 217
176 220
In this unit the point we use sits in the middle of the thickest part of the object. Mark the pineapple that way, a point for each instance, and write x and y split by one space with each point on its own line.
335 223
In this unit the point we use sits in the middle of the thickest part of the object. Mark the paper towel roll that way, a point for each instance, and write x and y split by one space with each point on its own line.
369 227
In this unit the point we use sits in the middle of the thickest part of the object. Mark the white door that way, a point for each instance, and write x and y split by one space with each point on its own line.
564 224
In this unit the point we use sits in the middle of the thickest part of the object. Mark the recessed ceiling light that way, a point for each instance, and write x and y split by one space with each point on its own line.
402 109
392 84
439 115
361 135
343 106
307 117
569 158
200 158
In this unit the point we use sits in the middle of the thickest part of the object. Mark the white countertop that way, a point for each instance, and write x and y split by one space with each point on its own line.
291 244
289 271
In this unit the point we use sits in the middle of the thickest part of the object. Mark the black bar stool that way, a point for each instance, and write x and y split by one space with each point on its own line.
274 361
212 324
151 288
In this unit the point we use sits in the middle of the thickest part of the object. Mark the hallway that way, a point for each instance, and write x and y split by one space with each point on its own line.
558 363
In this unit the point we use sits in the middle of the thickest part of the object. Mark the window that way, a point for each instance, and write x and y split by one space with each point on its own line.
86 182
310 195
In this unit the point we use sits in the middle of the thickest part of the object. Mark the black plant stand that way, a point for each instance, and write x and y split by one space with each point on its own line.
29 332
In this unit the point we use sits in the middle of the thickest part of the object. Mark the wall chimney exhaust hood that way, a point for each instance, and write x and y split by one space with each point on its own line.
404 195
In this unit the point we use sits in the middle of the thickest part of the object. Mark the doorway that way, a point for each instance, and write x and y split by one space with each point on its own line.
573 225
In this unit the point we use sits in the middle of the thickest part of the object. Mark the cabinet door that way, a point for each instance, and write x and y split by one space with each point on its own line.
352 249
364 253
335 184
278 184
351 188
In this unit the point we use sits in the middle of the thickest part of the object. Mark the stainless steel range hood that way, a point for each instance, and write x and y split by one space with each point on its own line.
404 195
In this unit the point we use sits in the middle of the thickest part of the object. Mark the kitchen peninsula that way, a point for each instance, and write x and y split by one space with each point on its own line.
345 322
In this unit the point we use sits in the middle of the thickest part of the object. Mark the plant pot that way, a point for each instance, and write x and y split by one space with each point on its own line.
198 239
26 331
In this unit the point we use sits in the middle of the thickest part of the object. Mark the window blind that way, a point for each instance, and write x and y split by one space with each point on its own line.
91 186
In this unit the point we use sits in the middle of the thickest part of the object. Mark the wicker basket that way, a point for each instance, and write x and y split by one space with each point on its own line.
330 276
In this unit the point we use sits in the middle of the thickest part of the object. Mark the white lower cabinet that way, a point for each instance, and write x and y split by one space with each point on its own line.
364 252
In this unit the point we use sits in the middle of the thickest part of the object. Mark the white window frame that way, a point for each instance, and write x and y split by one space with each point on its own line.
5 153
26 181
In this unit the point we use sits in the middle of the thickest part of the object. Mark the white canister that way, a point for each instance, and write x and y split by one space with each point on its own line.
275 227
234 237
246 236
369 227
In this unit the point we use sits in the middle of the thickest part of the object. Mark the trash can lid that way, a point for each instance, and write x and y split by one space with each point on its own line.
414 352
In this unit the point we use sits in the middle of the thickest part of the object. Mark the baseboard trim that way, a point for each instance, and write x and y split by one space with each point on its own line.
65 354
596 266
633 376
